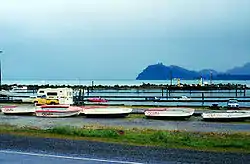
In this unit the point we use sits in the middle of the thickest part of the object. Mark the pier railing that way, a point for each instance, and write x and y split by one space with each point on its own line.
151 94
202 97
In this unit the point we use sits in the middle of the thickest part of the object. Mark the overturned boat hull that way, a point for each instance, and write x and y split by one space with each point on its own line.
106 112
168 117
169 113
236 115
107 115
18 110
57 111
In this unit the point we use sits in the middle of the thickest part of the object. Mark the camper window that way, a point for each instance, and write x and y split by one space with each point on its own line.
68 93
51 93
41 91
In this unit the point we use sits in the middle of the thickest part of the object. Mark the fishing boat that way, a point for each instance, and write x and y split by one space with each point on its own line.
97 99
18 110
57 111
183 98
153 98
228 115
17 89
106 112
169 113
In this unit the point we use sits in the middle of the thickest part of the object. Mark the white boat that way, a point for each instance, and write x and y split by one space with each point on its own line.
16 89
6 93
153 98
102 111
228 115
183 98
18 110
169 113
57 111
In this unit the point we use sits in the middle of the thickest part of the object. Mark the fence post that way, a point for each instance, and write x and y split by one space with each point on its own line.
82 97
202 95
92 85
244 91
88 91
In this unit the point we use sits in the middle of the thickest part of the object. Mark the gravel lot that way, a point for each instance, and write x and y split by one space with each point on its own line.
194 124
119 152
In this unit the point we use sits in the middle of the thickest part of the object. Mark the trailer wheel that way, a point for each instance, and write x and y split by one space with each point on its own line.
35 102
52 103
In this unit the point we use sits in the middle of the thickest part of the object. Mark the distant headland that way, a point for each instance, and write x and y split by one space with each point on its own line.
161 72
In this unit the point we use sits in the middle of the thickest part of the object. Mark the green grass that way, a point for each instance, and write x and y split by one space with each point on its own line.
133 116
227 142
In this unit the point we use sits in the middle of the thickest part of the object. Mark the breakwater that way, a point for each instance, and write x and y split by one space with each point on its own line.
220 86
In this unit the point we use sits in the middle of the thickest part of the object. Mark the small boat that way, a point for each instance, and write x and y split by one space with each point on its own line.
18 110
106 112
183 98
21 89
153 98
228 115
6 93
97 99
169 113
57 111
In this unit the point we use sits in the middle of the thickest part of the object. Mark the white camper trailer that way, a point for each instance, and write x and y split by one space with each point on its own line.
63 95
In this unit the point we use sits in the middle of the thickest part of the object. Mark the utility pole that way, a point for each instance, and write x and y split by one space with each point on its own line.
171 77
211 76
0 70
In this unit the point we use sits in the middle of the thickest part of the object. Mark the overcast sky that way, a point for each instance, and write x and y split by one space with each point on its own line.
117 39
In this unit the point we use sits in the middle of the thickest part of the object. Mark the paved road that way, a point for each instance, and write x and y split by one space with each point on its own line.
17 157
48 150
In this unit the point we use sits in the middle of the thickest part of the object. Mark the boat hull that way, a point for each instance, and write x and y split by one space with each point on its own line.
57 114
20 113
106 112
169 113
227 116
226 119
97 100
169 117
58 111
107 115
17 110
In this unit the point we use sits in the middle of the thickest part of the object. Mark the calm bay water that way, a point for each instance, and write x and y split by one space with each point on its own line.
135 92
116 82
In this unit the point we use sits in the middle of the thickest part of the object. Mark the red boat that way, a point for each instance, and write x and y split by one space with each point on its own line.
97 99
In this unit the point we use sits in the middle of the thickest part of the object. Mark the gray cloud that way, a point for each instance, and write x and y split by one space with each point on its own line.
108 39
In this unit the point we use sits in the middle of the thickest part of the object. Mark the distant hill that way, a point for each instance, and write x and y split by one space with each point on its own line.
231 77
161 72
206 73
244 70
